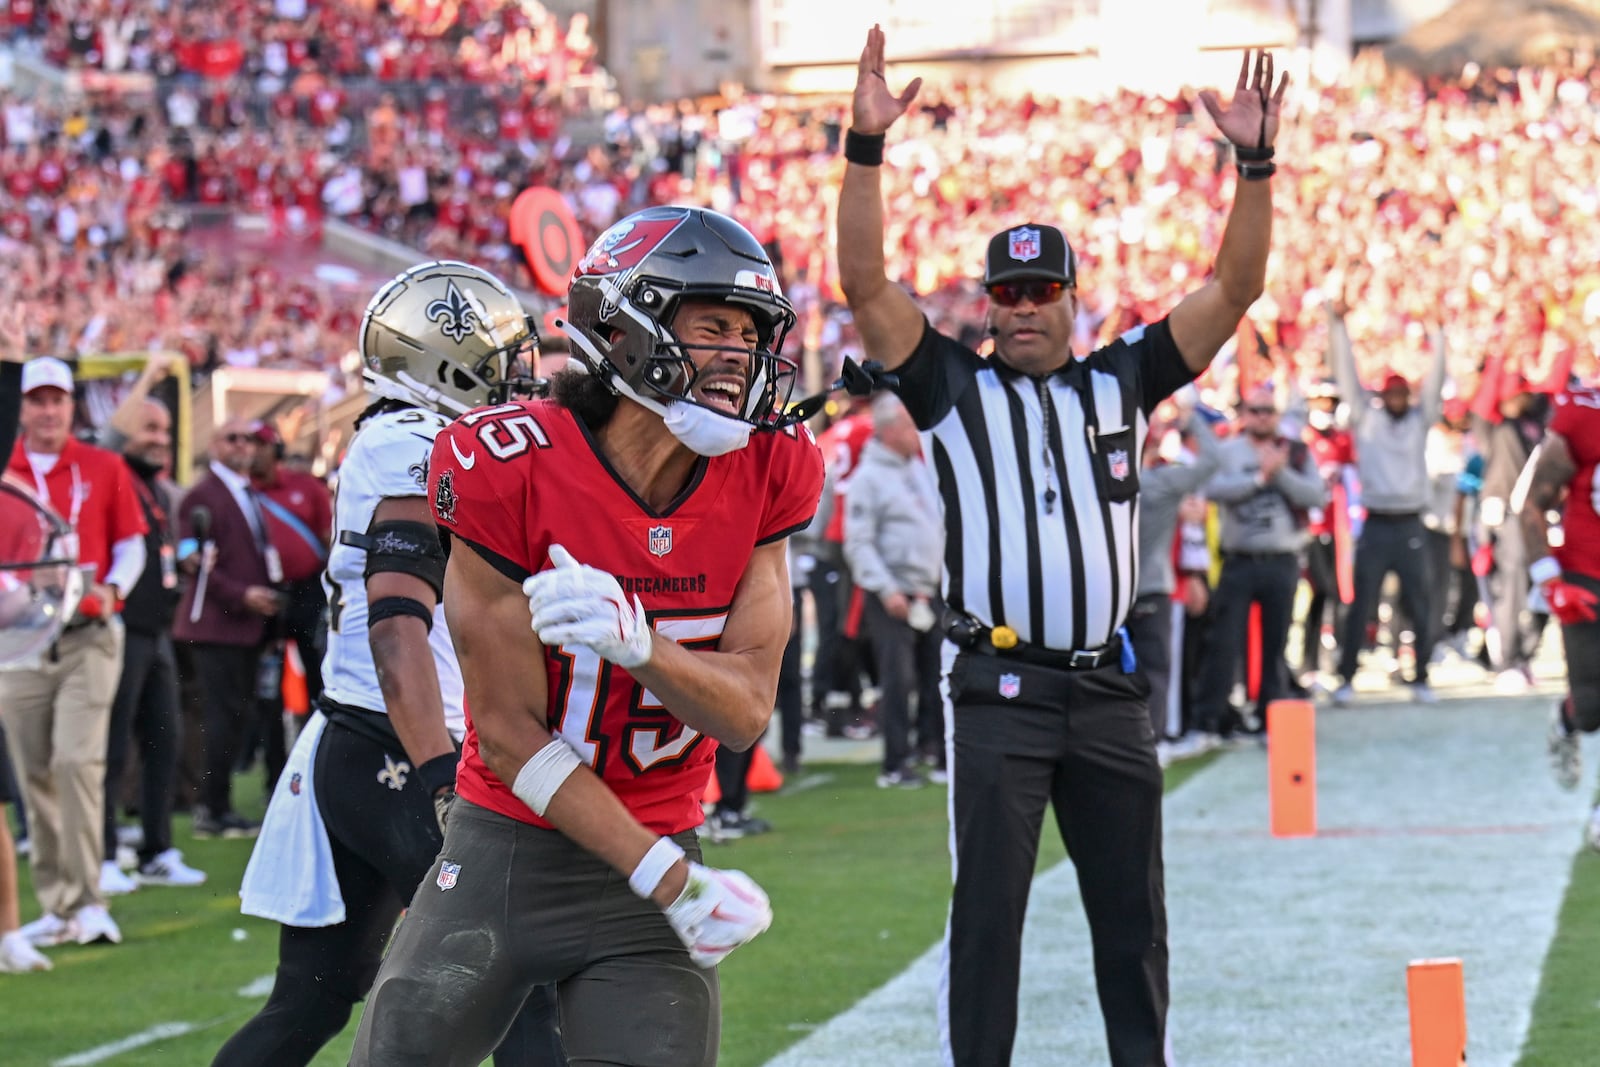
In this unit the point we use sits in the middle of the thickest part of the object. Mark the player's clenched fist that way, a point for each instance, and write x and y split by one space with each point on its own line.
717 912
575 604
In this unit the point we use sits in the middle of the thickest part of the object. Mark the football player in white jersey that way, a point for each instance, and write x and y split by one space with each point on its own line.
357 816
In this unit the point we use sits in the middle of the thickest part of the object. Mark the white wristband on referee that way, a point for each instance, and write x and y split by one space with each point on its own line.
544 773
654 866
1544 570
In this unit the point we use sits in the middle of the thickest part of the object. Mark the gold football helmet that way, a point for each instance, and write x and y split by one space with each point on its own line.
448 336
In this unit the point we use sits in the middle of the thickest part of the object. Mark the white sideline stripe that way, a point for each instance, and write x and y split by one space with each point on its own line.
258 988
101 1053
1295 951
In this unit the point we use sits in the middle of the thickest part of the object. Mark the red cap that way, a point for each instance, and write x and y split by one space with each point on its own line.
1456 409
1395 381
266 433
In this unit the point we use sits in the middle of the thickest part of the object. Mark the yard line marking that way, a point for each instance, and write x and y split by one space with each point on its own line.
101 1053
1453 841
810 781
258 988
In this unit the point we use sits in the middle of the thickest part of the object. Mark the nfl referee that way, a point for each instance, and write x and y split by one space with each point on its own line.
1037 457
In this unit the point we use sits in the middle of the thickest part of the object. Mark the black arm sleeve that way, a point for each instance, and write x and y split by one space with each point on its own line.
935 376
10 407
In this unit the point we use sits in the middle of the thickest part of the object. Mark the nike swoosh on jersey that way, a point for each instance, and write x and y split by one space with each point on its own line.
467 461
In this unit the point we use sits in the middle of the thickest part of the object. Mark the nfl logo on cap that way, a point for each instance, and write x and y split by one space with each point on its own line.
1031 250
660 540
1024 244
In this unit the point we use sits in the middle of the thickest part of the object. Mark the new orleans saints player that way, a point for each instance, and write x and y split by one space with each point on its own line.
353 826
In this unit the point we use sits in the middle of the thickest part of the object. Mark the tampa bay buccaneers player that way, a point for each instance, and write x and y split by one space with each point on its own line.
637 520
1568 578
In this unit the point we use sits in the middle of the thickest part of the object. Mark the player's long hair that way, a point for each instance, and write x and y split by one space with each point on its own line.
589 399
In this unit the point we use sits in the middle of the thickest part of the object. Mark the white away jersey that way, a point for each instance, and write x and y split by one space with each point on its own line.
387 458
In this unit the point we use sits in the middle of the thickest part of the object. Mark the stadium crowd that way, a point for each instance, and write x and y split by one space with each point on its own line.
1415 214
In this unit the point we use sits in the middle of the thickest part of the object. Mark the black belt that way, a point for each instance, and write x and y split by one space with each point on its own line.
1393 514
1230 554
967 633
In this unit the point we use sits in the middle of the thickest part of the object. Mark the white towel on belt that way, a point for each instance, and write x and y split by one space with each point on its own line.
290 877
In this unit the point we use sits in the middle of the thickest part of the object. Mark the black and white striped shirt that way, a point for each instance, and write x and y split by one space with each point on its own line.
1037 538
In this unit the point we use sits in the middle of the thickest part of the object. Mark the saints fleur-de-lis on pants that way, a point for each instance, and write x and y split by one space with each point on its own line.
394 774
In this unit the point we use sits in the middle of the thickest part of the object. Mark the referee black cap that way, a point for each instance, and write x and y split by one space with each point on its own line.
1031 250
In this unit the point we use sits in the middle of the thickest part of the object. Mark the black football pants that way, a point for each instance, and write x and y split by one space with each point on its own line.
1024 737
145 708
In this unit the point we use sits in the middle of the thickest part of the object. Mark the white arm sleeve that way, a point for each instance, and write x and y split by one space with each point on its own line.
127 564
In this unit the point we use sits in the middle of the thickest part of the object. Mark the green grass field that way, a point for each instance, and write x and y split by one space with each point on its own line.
859 882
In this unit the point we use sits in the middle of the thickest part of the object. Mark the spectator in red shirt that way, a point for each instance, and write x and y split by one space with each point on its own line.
58 712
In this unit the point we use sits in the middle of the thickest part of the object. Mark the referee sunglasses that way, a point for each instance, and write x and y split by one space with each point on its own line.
1036 291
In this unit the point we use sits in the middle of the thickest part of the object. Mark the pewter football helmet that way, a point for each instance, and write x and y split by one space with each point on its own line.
627 289
448 336
40 583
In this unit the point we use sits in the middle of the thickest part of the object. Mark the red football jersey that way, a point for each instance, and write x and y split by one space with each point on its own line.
517 478
842 443
1577 419
1332 452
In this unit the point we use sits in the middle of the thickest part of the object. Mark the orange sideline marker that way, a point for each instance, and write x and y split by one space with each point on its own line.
1436 990
1292 767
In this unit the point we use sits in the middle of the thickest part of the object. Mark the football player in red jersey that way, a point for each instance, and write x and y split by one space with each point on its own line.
639 515
1568 578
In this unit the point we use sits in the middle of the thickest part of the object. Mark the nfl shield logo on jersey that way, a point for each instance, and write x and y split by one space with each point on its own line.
1024 244
1118 461
447 874
660 540
1010 686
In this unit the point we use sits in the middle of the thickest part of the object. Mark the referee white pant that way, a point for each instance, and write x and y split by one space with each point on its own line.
1022 736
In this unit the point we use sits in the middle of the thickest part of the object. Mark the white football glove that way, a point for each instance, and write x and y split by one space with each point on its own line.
575 604
717 912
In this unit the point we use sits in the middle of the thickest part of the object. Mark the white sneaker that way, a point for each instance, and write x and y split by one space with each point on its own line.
18 956
127 858
1591 832
95 923
1344 696
47 931
168 868
1422 693
1512 681
113 883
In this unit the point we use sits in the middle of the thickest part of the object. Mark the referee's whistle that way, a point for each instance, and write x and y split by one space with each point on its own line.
1003 637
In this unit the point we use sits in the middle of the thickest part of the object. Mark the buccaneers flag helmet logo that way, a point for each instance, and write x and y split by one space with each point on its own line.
626 244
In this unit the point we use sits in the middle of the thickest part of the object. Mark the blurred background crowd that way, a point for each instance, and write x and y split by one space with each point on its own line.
174 202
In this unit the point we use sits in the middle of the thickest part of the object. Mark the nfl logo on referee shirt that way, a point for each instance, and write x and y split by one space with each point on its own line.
1010 686
1118 461
660 540
447 875
1024 244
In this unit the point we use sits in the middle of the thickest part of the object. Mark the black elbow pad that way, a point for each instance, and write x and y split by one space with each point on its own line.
401 547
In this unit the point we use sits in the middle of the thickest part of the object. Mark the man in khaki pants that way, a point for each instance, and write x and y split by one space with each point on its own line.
57 711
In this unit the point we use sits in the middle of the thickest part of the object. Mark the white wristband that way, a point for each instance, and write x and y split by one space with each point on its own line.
543 774
654 866
1543 570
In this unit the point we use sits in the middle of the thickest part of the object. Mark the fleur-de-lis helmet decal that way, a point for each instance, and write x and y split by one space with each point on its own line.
457 314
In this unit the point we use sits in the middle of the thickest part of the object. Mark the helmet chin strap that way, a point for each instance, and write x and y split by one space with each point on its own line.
407 389
699 429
